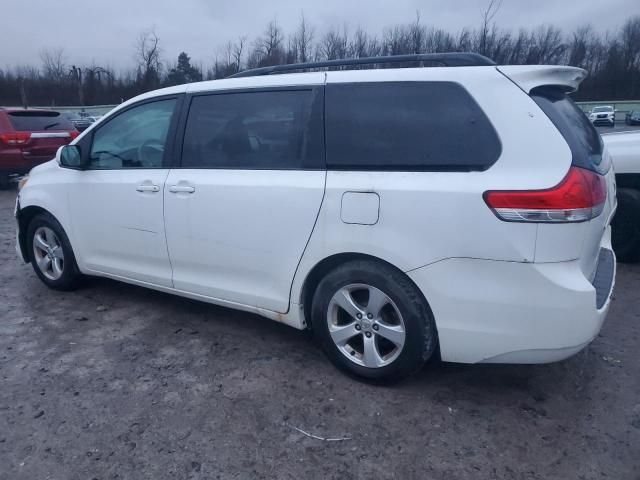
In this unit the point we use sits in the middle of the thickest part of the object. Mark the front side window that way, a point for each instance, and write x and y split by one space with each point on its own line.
133 139
254 130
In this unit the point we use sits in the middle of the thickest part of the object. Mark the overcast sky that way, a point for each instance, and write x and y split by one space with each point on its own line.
104 31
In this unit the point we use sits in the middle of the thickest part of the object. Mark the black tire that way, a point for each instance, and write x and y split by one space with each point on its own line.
625 227
71 275
421 337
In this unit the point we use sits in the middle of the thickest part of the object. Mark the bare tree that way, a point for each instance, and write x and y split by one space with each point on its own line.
488 24
238 48
630 43
364 45
268 47
416 35
334 44
75 74
303 39
578 46
53 63
148 58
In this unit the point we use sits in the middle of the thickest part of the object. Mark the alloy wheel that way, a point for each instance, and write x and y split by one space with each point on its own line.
48 253
366 325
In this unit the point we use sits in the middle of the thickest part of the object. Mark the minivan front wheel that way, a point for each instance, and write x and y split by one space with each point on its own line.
372 321
50 252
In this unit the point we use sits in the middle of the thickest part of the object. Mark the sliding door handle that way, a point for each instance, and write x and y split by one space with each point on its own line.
182 189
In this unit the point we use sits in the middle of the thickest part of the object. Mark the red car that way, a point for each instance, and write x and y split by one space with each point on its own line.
29 137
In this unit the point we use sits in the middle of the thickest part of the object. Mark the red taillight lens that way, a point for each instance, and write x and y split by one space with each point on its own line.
73 134
15 138
579 197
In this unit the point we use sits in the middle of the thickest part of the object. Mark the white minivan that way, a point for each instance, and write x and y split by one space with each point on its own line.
396 212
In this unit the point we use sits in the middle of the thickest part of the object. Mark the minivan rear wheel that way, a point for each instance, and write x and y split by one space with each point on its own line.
625 227
372 321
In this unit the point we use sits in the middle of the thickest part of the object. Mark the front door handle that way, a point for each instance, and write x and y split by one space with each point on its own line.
182 189
145 187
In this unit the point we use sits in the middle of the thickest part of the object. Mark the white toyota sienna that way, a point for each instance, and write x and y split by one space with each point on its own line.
396 212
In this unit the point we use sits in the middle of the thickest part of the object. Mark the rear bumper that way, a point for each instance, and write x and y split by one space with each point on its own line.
14 162
510 312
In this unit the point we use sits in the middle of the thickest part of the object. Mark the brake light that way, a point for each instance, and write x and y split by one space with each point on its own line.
579 197
74 134
15 138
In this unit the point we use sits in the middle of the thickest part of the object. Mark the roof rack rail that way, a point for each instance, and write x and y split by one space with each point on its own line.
445 59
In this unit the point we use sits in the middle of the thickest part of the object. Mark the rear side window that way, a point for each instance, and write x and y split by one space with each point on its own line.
31 121
254 130
583 139
407 126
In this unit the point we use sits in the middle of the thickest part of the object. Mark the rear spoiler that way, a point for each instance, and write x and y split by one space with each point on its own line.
528 77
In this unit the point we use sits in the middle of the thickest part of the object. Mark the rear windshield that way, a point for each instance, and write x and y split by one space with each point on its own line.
30 121
583 139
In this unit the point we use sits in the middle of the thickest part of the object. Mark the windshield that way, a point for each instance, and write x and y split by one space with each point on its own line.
602 109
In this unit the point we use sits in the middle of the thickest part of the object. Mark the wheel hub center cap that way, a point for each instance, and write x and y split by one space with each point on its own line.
366 324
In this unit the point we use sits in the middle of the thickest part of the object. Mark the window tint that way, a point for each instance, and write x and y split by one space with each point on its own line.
254 130
33 120
133 139
583 139
407 126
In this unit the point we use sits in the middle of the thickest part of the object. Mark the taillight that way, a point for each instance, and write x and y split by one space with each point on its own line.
73 134
15 138
579 197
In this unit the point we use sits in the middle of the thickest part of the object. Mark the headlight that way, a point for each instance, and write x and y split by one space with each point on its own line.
23 182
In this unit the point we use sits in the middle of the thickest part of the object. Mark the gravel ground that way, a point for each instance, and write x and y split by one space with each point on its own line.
118 382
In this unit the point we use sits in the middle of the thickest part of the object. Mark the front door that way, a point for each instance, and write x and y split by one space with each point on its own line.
117 201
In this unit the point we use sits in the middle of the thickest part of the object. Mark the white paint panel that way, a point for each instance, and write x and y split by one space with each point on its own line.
240 235
118 229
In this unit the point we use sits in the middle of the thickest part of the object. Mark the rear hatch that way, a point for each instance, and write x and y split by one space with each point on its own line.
39 133
581 234
588 153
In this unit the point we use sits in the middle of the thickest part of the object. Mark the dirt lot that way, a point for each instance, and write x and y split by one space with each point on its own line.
117 382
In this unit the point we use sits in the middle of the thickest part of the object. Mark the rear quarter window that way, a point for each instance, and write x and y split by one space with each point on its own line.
31 121
408 126
581 136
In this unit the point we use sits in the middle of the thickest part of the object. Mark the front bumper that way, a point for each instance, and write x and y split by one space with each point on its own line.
603 121
511 312
20 240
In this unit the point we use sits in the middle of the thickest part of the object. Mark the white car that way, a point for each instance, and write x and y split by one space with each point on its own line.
624 148
396 212
603 116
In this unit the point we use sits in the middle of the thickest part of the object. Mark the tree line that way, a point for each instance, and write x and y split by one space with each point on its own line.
611 58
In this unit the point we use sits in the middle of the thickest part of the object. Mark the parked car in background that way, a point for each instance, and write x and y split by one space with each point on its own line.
603 116
396 212
632 117
29 137
80 121
624 148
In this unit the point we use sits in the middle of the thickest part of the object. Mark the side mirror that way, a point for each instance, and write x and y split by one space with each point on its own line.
70 156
